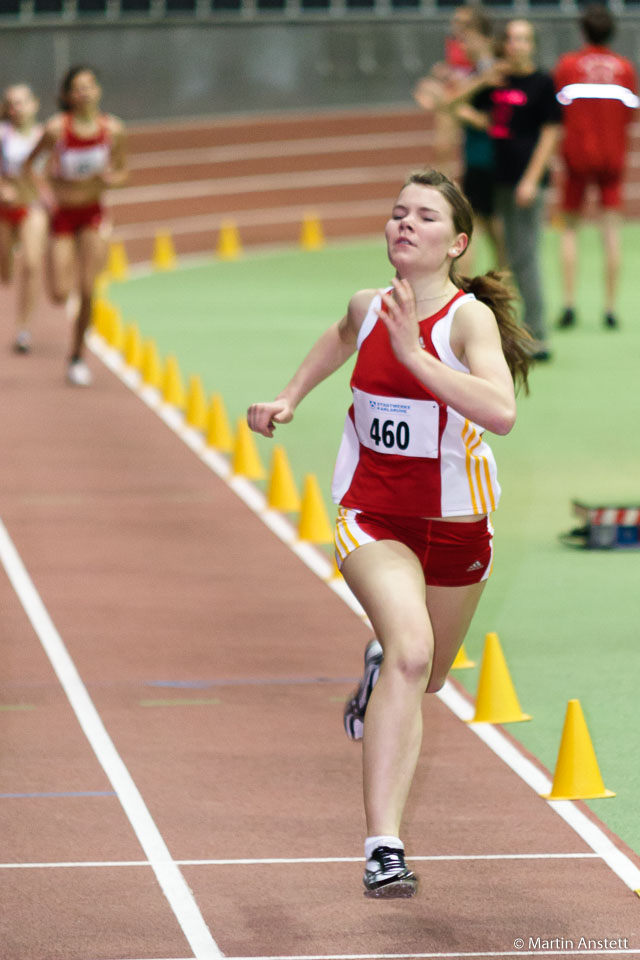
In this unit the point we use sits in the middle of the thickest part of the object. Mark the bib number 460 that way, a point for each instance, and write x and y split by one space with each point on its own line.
391 434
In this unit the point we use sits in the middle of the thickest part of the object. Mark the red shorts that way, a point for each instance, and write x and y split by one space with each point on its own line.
451 554
13 215
575 184
73 219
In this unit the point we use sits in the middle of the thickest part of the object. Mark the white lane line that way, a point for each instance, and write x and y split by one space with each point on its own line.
258 183
167 872
275 861
279 148
589 831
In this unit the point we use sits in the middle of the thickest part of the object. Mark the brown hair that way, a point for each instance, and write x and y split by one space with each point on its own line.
490 288
597 23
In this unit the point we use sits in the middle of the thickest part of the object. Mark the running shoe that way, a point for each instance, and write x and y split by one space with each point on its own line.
611 321
567 318
356 706
22 343
78 374
387 875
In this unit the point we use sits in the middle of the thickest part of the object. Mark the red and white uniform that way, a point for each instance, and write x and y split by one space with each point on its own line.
403 451
598 91
15 147
79 158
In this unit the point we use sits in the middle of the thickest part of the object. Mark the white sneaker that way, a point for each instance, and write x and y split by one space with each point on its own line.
78 374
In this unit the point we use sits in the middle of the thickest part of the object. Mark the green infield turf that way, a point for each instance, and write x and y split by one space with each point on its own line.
568 620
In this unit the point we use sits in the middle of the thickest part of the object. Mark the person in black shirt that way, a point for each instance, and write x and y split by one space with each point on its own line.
518 107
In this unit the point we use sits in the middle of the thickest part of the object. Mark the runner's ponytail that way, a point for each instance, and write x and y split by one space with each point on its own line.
517 344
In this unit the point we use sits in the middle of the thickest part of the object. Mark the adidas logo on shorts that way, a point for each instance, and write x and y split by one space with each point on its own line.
478 565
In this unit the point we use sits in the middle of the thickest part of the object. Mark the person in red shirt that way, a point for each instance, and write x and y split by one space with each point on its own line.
597 89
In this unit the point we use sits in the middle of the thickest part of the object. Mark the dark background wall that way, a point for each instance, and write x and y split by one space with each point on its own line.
189 68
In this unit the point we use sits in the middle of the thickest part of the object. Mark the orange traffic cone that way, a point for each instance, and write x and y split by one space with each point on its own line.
219 434
132 346
150 365
496 700
246 460
229 244
311 234
314 521
462 661
196 412
577 775
172 387
164 254
282 493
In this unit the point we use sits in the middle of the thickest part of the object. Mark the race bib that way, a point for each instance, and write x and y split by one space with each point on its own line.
394 425
84 162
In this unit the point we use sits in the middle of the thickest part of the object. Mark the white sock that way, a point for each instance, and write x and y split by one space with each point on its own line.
371 843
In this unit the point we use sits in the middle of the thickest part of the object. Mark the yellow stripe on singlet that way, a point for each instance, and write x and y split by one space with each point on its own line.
466 436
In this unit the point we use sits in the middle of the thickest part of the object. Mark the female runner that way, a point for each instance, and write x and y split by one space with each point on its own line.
87 151
23 223
437 358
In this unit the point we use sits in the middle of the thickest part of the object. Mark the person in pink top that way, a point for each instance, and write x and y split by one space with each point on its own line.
23 221
415 481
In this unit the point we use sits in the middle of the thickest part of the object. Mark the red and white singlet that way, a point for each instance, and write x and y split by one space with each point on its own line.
403 451
79 158
15 147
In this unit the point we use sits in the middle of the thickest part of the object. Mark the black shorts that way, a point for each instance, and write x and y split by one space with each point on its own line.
478 185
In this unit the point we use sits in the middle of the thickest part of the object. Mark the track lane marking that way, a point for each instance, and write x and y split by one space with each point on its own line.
168 874
275 861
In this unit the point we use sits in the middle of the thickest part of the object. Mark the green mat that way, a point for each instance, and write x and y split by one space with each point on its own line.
568 620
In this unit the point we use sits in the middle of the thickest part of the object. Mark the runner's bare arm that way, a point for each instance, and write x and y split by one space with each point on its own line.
334 348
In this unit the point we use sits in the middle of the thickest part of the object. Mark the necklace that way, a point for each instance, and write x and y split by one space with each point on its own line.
437 297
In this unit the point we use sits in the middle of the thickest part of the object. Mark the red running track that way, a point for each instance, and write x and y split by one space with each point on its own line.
217 664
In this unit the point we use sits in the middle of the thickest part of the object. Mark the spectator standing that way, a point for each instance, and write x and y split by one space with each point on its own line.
598 92
523 118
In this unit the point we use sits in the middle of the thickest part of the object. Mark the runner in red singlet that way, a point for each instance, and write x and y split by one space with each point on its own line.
87 157
437 358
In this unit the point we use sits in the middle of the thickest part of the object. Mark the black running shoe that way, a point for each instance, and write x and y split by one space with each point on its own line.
356 706
387 875
567 318
611 321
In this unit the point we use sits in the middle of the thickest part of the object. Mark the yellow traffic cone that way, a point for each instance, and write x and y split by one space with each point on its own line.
229 244
496 700
117 264
150 365
246 459
99 315
462 661
164 254
219 434
577 775
132 346
113 328
101 284
314 521
311 234
196 413
282 493
172 387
